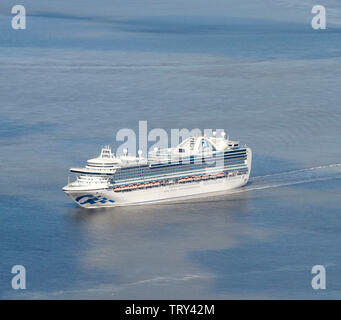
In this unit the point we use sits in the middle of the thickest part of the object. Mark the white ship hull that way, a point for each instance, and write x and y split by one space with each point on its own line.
174 192
197 173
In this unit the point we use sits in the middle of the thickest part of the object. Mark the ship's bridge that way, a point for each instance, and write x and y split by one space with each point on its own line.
105 163
105 160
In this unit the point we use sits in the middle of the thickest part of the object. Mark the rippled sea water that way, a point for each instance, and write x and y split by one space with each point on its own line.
69 83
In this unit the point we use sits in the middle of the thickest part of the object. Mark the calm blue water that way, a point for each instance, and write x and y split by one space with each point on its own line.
74 78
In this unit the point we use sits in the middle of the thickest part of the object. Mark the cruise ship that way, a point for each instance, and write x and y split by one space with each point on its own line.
199 166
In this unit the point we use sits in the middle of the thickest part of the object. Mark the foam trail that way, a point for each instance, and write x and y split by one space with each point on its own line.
321 173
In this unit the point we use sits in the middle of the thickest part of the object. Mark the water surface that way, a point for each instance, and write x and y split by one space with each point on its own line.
73 79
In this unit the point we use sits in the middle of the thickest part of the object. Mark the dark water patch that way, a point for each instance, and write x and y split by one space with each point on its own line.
233 37
10 128
266 164
280 266
54 264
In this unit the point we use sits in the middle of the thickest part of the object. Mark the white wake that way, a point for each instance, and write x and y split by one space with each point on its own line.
321 173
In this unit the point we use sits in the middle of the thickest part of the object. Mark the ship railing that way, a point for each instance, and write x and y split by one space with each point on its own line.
179 156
